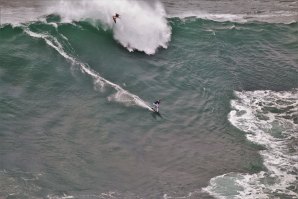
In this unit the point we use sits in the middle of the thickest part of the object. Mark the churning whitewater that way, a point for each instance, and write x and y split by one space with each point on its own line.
270 119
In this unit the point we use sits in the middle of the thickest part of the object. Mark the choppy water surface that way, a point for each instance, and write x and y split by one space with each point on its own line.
76 91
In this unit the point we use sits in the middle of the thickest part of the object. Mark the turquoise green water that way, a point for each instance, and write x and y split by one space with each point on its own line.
67 132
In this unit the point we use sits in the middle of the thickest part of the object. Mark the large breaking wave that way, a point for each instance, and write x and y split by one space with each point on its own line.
142 25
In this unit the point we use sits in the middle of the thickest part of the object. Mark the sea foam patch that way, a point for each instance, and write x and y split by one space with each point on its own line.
270 119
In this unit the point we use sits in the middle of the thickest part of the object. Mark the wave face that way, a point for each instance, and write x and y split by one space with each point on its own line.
270 119
121 95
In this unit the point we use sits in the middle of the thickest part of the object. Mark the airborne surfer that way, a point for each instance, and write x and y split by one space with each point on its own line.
156 106
115 17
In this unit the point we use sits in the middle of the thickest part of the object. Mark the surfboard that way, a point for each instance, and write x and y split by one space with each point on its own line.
153 109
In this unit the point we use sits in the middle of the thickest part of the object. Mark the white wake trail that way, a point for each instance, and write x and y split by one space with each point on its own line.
122 95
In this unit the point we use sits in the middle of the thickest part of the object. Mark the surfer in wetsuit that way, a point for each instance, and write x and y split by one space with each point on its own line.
156 105
115 17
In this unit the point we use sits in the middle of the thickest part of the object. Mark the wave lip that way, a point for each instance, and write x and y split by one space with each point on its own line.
141 26
270 119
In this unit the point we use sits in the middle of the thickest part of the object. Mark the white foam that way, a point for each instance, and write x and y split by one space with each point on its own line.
268 117
141 26
122 95
65 196
105 195
188 196
211 16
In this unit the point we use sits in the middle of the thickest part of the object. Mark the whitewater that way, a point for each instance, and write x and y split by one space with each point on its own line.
269 119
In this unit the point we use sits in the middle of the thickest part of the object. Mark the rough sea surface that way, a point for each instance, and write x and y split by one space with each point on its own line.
76 92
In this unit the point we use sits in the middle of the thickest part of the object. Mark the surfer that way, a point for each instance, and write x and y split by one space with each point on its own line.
156 105
115 17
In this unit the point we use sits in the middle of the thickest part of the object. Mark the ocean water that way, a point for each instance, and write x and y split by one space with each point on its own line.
76 91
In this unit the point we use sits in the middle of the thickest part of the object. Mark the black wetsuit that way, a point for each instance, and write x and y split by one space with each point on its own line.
156 104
